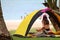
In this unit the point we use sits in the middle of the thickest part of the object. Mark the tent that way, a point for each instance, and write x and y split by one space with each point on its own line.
26 24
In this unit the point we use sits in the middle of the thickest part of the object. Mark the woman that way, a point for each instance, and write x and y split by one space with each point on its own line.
45 30
45 27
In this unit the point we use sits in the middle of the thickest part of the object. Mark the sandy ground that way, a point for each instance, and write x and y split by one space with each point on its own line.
12 24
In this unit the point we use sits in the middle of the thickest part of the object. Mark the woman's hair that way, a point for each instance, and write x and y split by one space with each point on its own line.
45 20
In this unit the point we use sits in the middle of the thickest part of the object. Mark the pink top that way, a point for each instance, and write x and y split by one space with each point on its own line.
46 9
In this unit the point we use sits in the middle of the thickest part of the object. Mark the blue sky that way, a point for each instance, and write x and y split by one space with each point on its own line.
14 9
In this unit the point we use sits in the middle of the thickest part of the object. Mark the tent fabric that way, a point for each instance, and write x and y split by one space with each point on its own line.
26 24
32 21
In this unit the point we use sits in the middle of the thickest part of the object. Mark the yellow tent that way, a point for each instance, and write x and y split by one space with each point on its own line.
26 24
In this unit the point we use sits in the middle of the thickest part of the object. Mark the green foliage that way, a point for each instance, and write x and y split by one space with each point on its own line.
53 5
12 32
41 38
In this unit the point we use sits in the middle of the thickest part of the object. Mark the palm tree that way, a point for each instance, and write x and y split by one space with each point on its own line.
53 5
4 34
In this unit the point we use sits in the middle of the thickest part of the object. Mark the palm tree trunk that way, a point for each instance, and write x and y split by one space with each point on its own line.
54 24
53 5
4 34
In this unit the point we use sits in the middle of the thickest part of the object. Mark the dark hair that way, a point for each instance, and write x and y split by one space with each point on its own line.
45 20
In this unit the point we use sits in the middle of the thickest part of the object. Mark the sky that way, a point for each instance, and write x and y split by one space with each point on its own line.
14 9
